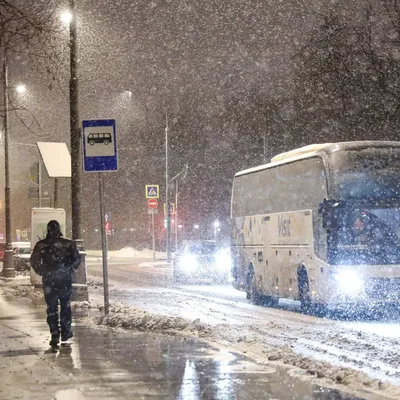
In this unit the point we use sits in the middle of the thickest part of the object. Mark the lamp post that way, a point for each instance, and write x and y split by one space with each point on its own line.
8 264
182 175
168 219
70 17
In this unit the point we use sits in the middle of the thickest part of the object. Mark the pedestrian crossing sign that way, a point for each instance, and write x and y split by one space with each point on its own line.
152 191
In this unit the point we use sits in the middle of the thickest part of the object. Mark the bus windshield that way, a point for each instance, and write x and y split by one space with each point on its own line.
365 236
366 174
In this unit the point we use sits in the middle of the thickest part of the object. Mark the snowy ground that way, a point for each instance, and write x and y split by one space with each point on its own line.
361 356
128 252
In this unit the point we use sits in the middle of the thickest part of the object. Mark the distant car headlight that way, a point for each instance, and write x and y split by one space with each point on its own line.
188 262
223 261
349 282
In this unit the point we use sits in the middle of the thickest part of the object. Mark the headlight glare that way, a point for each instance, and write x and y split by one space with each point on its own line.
188 262
223 261
349 282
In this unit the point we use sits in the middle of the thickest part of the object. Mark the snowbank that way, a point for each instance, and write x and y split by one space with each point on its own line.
135 319
128 252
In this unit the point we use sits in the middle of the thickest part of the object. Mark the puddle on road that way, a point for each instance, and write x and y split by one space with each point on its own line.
165 367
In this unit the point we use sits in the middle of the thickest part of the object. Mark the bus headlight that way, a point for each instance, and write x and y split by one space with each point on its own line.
349 282
188 262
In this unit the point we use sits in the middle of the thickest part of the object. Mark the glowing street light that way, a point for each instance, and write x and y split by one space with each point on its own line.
129 93
66 17
216 226
196 226
20 89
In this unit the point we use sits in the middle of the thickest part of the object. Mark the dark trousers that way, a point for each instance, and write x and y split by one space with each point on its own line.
53 296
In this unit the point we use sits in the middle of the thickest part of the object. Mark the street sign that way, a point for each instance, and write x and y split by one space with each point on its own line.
152 191
107 223
99 145
171 208
152 211
107 227
152 203
56 159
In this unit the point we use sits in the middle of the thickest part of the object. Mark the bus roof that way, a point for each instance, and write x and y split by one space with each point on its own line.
314 149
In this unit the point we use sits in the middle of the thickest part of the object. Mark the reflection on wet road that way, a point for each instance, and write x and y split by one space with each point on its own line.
107 364
181 369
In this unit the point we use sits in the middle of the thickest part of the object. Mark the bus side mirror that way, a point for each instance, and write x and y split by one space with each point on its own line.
323 209
326 208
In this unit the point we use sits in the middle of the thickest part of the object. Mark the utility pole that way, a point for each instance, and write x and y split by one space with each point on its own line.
176 215
168 224
182 175
81 290
264 148
8 264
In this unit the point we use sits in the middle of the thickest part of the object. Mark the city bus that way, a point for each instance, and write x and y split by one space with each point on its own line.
321 225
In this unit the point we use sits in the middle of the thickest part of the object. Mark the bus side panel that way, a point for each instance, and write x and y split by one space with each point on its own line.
288 245
269 277
247 249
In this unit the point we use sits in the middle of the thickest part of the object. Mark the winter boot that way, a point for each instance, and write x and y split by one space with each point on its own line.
55 340
67 335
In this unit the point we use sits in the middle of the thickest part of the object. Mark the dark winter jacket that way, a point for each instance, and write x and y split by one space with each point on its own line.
55 259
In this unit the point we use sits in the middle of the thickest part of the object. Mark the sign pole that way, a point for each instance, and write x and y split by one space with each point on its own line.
154 236
104 244
55 192
40 182
168 238
176 215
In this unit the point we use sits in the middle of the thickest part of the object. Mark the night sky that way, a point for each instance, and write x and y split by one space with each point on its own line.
189 58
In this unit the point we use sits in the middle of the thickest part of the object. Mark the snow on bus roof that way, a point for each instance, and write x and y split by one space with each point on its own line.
311 150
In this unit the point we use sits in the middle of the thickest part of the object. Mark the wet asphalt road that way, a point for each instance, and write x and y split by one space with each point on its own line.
102 363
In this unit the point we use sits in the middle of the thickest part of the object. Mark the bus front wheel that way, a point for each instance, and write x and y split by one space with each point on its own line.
307 305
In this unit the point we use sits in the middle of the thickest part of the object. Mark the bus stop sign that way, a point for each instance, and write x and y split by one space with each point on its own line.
99 145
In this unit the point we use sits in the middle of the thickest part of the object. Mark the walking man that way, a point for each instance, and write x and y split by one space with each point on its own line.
55 259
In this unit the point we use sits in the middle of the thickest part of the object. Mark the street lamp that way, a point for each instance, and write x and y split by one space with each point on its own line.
216 226
21 89
8 263
128 93
66 17
70 17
